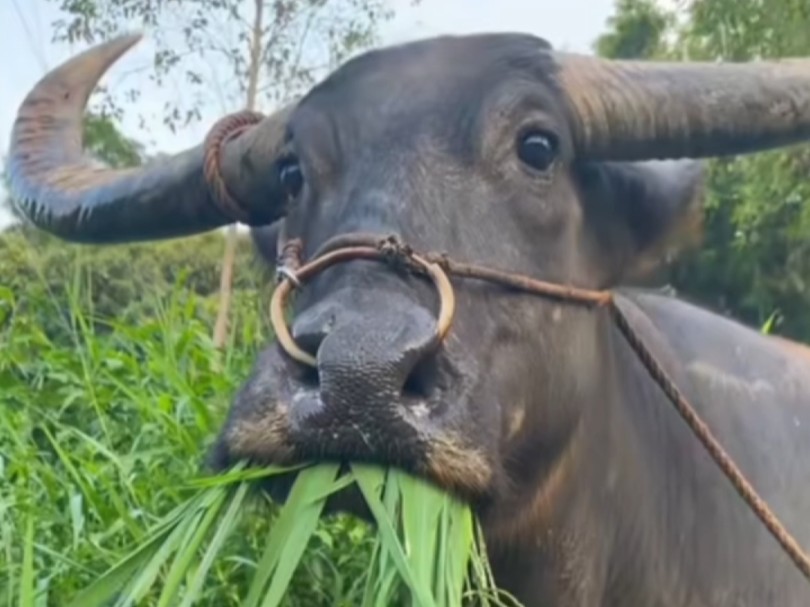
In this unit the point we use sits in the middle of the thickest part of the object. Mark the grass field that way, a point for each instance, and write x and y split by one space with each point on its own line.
102 423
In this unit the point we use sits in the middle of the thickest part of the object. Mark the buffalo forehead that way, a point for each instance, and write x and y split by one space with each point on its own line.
441 85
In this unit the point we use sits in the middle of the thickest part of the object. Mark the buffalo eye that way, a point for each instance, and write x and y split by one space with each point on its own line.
537 150
291 178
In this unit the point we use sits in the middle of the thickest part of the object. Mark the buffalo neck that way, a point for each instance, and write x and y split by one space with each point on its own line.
608 515
678 535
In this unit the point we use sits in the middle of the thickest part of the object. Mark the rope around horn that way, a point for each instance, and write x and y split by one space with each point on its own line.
224 130
350 247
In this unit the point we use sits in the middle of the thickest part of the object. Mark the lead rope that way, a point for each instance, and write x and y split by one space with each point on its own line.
362 246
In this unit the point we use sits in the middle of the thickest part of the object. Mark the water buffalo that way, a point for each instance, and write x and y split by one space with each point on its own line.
497 150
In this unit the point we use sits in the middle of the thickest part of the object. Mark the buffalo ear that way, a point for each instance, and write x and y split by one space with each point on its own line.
642 213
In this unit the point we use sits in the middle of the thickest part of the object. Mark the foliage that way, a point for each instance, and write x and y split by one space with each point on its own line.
758 218
102 425
129 394
738 30
206 45
115 279
104 141
635 30
754 261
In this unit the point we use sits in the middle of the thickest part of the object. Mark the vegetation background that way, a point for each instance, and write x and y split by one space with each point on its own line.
112 379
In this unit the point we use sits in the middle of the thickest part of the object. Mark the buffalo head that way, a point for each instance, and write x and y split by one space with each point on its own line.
494 149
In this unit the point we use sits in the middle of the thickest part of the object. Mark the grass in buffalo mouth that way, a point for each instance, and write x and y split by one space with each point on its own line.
429 550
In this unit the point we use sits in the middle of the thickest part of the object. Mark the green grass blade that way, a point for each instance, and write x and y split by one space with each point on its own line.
111 582
459 549
371 580
444 581
390 579
226 524
142 583
482 572
387 587
88 492
266 565
308 484
770 323
338 485
422 505
367 480
238 474
290 556
182 561
27 576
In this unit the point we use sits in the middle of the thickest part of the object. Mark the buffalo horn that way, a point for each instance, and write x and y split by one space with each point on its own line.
60 190
627 110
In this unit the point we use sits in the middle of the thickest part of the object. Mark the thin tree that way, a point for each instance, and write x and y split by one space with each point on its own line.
226 276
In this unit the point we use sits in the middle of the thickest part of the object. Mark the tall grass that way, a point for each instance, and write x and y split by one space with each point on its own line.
103 426
103 423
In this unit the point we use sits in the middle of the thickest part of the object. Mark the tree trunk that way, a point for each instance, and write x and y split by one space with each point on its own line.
226 275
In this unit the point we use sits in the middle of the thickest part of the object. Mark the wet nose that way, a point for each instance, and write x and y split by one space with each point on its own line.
366 355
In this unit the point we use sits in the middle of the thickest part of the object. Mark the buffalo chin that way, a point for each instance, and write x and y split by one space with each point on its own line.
441 461
349 500
459 472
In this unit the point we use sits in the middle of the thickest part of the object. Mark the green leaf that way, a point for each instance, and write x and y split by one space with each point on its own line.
767 328
307 486
27 577
195 535
226 524
369 482
422 506
113 580
142 583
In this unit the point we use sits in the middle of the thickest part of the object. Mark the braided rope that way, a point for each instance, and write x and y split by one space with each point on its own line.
224 130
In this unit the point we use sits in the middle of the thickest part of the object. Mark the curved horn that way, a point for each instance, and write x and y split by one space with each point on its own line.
62 192
634 110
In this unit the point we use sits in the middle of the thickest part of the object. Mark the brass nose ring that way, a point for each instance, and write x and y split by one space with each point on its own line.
291 279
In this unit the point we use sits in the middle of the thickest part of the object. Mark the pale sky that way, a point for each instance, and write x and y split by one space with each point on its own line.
27 51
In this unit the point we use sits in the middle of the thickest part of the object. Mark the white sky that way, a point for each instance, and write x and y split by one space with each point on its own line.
27 51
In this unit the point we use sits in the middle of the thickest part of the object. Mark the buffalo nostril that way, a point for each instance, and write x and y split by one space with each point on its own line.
309 377
309 331
421 381
315 324
310 338
419 384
